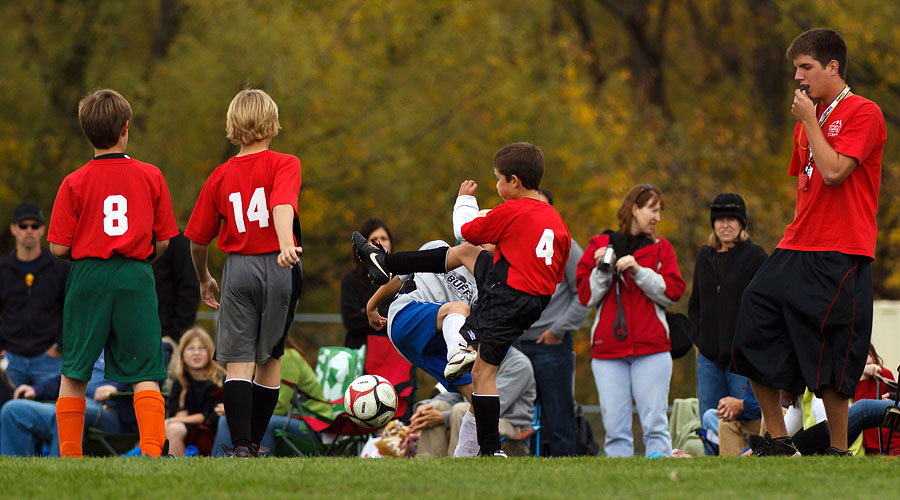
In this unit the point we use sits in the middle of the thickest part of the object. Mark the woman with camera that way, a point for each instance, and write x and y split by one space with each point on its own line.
724 267
631 275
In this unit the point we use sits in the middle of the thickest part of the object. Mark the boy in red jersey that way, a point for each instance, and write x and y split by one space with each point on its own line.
106 217
806 318
532 247
262 275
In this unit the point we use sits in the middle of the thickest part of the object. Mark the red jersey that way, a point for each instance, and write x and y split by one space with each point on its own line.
236 202
533 239
840 218
115 206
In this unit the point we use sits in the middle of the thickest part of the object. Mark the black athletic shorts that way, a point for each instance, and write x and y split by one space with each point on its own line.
501 314
805 321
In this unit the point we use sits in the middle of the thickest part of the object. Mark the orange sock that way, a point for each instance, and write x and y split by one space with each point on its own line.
70 426
150 410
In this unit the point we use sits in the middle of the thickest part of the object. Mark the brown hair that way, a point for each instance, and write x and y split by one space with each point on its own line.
641 195
212 372
875 356
523 160
252 117
103 114
368 227
823 46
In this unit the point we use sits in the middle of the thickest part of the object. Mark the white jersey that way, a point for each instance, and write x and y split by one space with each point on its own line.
452 286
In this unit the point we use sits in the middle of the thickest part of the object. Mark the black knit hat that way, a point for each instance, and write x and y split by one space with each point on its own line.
728 205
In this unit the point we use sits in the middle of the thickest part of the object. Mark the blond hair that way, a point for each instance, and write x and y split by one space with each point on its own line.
252 117
716 243
103 114
212 372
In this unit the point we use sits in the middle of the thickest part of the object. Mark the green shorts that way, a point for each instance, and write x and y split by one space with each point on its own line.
111 304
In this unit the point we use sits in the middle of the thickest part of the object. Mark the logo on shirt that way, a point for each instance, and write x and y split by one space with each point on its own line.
459 285
834 128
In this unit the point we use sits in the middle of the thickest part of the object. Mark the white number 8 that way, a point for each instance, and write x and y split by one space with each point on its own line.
114 208
544 249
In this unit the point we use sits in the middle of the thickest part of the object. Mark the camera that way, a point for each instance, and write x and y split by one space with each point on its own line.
608 261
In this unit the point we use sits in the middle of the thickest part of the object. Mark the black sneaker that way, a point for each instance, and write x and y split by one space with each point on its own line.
239 451
837 452
499 454
372 258
773 447
165 449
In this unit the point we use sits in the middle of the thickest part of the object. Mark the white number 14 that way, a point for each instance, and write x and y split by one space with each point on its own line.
544 247
256 211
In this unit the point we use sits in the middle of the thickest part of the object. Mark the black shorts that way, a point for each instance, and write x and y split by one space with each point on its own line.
501 314
805 321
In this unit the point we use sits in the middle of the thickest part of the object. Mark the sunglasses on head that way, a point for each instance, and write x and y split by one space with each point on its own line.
34 226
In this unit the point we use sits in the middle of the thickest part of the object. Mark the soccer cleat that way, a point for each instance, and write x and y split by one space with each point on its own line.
837 452
239 451
772 447
499 454
460 364
372 258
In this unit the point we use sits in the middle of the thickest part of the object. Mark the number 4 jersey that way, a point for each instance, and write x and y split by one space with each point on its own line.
112 206
531 236
236 202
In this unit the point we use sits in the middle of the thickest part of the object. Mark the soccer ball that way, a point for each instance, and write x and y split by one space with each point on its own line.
370 401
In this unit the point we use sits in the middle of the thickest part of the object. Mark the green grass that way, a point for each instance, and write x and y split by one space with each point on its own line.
430 479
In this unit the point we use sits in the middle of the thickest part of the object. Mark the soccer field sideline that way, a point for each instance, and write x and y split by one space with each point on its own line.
586 477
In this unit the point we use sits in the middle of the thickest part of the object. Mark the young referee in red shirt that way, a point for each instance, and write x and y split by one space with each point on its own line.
250 204
106 217
806 317
518 280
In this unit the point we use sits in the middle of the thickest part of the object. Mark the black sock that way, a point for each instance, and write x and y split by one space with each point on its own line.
264 401
813 441
487 422
422 261
238 403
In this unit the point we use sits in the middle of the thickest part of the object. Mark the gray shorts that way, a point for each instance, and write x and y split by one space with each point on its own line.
256 308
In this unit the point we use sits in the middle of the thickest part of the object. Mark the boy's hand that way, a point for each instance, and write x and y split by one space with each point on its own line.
208 289
289 256
376 320
467 188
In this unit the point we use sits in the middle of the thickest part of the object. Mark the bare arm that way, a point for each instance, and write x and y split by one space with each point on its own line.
161 247
60 251
833 166
290 253
208 285
383 293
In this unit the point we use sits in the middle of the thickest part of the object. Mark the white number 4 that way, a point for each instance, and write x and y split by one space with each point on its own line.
257 211
544 247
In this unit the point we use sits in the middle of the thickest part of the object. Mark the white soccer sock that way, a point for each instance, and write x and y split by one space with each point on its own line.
451 326
468 437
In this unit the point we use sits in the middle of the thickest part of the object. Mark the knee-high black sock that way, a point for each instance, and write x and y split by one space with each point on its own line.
487 421
238 403
422 261
264 401
813 441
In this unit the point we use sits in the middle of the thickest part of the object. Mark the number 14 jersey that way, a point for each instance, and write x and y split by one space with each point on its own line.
236 202
112 206
531 236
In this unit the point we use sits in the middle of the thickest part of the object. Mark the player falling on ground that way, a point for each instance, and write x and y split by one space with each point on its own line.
112 217
532 247
250 203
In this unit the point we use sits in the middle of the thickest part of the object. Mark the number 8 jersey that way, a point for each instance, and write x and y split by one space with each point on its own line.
531 236
114 205
237 200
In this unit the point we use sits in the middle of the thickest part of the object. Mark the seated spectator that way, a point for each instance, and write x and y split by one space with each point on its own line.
871 387
296 368
23 422
192 400
438 420
732 420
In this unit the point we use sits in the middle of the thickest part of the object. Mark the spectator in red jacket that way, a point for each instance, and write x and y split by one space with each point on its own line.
631 276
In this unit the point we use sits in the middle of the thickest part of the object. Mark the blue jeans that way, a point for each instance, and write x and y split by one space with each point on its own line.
714 383
554 367
223 435
24 370
23 421
646 379
865 414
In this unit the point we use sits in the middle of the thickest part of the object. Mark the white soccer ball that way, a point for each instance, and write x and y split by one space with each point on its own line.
370 401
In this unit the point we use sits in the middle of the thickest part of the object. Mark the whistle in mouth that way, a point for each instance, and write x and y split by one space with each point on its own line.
804 88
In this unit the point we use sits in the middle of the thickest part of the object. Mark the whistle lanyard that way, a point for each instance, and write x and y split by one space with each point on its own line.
825 115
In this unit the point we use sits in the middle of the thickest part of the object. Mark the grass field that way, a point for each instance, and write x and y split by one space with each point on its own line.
430 479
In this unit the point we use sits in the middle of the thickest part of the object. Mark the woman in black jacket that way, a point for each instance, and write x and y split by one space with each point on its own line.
723 269
357 288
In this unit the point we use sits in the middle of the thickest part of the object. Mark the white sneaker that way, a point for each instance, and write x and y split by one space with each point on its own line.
468 438
459 365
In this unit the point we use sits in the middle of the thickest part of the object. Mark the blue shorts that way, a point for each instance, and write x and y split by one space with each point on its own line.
414 335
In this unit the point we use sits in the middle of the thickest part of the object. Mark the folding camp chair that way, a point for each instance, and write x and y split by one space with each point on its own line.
531 435
891 420
336 368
